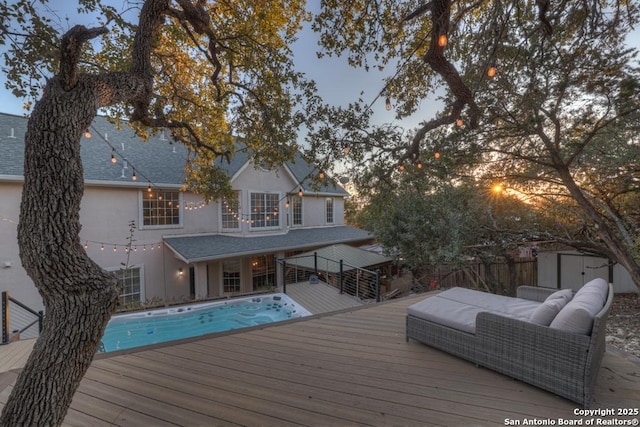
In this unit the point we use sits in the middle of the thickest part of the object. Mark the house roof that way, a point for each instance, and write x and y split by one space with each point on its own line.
329 257
157 161
210 247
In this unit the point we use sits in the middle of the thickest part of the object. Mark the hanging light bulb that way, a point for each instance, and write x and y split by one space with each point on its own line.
134 177
387 104
87 134
149 189
113 155
401 167
346 148
300 193
459 122
419 164
321 175
491 72
86 244
287 204
102 246
436 155
442 40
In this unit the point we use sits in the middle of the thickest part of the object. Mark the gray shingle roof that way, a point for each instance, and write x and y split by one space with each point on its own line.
217 246
157 161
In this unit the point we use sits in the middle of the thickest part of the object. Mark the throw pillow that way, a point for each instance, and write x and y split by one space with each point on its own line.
547 311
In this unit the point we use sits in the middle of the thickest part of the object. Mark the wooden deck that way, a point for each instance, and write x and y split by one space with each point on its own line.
321 298
348 368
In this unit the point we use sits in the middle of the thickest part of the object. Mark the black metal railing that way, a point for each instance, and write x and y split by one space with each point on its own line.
17 319
357 281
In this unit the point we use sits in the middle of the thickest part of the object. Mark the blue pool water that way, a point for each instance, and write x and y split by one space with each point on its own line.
157 326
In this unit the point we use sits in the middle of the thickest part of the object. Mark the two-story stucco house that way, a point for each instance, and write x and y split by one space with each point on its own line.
182 248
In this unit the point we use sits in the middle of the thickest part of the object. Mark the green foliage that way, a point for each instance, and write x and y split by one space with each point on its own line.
221 70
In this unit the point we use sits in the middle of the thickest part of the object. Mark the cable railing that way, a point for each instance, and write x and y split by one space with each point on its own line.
356 281
18 320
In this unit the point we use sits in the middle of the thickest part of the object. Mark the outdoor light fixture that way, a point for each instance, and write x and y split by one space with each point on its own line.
387 104
180 272
87 134
491 72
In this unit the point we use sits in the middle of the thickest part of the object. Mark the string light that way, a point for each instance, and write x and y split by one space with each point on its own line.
300 193
134 177
87 134
346 148
387 104
459 122
419 164
442 40
321 175
436 155
113 156
491 72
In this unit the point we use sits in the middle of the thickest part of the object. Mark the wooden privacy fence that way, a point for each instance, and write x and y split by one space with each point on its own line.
499 276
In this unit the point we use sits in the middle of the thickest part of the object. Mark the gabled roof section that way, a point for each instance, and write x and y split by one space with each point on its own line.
209 247
157 161
304 173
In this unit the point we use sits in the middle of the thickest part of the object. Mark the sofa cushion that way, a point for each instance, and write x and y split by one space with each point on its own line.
577 315
457 308
565 294
547 311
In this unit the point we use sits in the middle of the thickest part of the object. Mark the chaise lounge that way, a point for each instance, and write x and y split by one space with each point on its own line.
552 339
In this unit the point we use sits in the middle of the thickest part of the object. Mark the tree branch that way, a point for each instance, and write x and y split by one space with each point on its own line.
70 50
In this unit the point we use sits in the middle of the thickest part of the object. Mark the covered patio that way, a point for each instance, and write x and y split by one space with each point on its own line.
351 367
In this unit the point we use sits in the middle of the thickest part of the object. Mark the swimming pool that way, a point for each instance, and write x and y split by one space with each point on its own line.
151 327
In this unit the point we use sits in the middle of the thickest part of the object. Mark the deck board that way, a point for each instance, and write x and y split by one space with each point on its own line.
353 367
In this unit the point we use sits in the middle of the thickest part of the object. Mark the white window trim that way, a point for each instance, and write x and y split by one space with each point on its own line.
294 196
333 210
221 222
142 280
142 226
250 210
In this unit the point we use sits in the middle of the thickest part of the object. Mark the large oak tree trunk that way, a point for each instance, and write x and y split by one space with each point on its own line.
78 295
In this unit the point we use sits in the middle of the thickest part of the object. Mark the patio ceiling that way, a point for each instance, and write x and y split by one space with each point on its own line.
329 258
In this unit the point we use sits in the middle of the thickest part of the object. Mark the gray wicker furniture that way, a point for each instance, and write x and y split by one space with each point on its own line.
564 363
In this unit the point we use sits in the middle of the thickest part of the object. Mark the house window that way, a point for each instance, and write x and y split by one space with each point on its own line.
231 276
231 214
264 210
130 280
263 269
329 210
296 210
160 208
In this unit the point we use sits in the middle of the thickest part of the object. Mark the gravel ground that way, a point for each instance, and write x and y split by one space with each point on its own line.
623 325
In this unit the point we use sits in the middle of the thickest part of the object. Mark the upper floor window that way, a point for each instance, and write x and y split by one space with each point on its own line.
231 213
329 210
264 210
296 210
161 208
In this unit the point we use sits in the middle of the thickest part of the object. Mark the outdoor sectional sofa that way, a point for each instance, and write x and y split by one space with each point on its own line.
551 339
